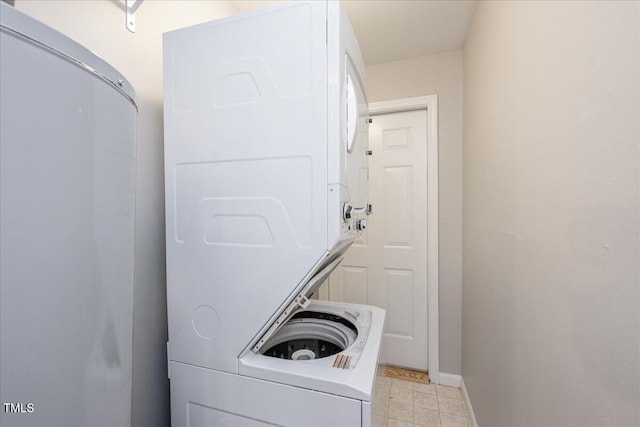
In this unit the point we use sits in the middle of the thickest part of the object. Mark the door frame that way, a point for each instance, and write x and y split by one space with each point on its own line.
429 103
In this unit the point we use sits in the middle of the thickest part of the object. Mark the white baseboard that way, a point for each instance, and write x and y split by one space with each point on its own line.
467 404
451 380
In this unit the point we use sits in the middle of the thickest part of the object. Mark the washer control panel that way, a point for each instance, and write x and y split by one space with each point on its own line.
354 220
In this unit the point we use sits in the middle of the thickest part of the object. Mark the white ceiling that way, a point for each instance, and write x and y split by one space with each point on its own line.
388 30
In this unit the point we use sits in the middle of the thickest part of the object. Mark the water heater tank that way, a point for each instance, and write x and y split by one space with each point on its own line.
67 174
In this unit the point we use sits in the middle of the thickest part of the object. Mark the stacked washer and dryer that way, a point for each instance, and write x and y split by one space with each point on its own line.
266 145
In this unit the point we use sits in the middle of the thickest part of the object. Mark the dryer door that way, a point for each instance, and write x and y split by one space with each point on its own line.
357 134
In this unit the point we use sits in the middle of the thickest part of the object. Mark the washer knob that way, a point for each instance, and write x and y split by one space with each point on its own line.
347 211
361 224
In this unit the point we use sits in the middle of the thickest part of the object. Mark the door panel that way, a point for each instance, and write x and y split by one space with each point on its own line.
399 288
356 278
398 183
387 265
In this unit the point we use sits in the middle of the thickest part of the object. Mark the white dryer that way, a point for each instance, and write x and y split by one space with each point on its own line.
266 145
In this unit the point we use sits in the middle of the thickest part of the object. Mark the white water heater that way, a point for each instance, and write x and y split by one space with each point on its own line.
67 175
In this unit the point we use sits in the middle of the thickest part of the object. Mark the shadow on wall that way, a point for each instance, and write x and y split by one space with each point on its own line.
495 272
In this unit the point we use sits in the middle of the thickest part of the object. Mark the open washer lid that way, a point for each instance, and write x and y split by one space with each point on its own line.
300 300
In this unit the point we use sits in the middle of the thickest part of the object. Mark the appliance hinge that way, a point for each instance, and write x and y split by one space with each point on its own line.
305 301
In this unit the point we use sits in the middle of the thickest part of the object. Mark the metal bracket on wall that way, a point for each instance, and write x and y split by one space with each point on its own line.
131 6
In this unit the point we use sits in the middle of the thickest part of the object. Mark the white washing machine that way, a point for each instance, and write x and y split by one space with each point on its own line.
266 145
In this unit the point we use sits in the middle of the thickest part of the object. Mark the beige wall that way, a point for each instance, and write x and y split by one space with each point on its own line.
100 26
551 223
439 74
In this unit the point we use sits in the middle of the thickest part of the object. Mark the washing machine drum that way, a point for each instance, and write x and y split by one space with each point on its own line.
311 335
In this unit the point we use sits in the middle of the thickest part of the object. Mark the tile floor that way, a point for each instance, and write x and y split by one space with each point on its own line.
401 403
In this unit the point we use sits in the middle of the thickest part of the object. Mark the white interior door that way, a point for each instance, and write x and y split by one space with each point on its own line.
387 266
